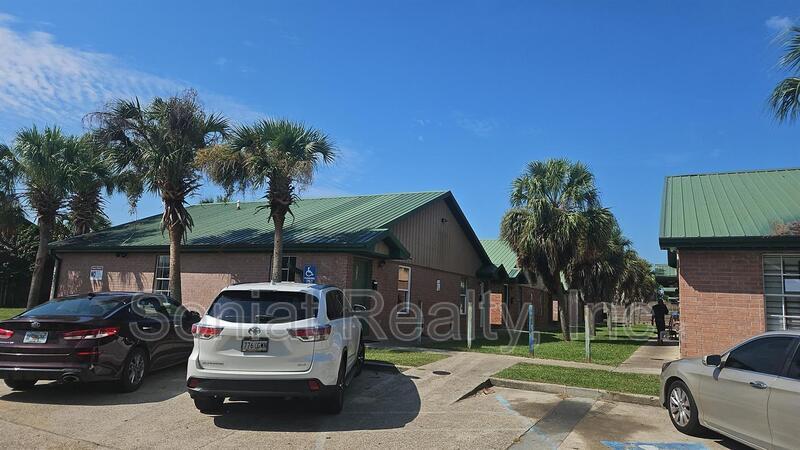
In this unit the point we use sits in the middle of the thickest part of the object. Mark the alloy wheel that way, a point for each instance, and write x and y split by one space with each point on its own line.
680 407
136 368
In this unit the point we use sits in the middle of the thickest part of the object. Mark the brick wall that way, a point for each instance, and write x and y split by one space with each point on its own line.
203 274
721 299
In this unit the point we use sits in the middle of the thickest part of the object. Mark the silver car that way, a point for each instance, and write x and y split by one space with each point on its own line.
750 393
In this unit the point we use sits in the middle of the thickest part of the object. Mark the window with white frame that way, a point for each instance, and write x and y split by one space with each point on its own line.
404 288
161 278
782 291
462 296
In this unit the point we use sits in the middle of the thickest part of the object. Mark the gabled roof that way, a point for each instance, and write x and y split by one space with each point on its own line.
503 258
353 223
729 209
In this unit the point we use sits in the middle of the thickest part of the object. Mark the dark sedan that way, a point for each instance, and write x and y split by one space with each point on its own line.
95 337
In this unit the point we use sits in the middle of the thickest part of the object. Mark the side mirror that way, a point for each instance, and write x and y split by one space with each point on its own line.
713 360
359 308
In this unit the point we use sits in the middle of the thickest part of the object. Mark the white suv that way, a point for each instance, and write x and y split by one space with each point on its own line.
275 340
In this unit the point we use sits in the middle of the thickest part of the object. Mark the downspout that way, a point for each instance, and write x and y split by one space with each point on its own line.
56 272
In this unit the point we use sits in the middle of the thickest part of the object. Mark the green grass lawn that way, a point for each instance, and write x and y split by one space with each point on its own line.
632 383
5 313
607 349
403 358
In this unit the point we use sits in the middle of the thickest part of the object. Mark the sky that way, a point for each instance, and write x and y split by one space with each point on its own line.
422 95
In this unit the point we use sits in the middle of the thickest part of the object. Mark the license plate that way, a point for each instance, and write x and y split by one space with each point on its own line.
35 337
255 346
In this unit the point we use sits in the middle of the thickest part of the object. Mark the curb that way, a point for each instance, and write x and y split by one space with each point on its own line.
571 391
385 367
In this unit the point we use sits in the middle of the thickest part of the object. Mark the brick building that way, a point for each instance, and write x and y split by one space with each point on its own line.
412 248
732 239
510 287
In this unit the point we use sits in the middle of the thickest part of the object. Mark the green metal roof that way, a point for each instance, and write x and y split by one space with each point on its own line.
352 223
729 209
664 270
502 256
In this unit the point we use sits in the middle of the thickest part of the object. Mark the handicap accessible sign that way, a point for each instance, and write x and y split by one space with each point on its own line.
309 273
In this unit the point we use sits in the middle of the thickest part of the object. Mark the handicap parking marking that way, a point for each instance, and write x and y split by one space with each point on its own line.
654 445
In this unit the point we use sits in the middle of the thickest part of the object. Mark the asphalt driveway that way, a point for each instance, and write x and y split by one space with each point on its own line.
419 408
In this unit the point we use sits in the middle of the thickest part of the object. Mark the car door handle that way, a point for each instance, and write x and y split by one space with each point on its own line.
758 384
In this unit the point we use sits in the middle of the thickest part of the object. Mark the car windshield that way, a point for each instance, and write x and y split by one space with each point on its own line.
263 306
89 305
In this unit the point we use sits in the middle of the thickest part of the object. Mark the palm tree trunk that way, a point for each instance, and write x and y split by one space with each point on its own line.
175 238
563 315
37 279
277 248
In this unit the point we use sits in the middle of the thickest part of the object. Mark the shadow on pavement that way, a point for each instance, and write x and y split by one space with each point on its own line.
158 386
377 400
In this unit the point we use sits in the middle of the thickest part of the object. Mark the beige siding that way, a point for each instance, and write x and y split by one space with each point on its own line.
436 244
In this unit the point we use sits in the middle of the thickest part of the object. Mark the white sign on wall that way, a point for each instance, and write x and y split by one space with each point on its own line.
96 273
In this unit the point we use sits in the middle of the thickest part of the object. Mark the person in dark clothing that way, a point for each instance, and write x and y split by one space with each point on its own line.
660 311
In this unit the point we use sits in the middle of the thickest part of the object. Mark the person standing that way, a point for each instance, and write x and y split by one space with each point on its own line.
660 311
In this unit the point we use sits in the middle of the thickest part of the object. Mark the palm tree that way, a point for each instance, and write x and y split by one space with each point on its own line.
554 208
153 148
785 98
86 201
11 213
42 161
636 282
280 155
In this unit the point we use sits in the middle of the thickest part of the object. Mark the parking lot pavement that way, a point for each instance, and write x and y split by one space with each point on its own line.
418 408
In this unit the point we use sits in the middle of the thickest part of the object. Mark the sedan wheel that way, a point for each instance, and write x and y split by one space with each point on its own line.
682 409
133 371
679 406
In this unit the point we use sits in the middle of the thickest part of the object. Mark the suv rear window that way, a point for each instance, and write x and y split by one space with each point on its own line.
263 306
85 305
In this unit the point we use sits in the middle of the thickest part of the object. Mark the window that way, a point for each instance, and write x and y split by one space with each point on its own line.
288 268
83 305
765 355
506 295
334 302
462 296
782 291
161 281
263 306
404 288
148 307
794 367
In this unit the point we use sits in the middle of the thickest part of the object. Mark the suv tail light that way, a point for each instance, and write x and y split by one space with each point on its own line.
95 333
6 334
205 332
312 334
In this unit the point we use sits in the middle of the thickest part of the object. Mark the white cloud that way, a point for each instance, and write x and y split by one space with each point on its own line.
478 127
46 82
7 18
779 24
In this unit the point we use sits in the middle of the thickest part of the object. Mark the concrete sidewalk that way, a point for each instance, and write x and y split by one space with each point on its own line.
649 358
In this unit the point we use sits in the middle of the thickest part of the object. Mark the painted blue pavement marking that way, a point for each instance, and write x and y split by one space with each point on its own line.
654 445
